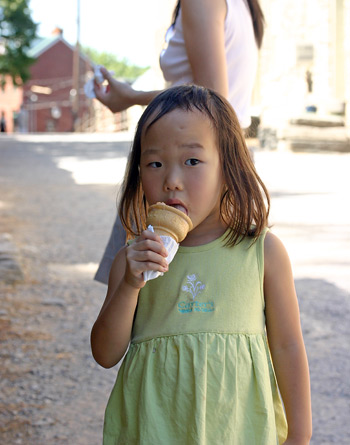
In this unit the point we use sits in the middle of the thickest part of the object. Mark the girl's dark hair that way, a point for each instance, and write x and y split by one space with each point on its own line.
255 11
242 206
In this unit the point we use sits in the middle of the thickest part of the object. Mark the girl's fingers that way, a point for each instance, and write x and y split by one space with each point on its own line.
150 241
146 256
147 252
138 267
141 261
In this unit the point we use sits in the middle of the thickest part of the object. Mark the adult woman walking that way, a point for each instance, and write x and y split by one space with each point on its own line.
210 43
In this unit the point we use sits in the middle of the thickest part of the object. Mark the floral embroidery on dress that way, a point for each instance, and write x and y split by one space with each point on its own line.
194 287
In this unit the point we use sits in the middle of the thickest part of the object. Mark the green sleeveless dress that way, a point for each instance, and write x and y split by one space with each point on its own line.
198 370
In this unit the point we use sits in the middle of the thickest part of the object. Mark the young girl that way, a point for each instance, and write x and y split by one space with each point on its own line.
198 370
210 43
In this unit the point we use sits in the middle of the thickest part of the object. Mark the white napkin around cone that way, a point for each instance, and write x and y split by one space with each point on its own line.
171 246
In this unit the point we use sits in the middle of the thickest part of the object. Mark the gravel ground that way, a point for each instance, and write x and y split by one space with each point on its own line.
51 390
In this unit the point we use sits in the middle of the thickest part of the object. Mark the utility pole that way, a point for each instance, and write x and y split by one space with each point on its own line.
76 73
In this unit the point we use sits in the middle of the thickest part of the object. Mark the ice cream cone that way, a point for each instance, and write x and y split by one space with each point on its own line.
169 221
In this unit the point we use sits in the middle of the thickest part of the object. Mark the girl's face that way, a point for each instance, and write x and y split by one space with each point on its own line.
180 166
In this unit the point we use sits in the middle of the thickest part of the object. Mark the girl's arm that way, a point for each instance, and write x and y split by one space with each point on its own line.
286 341
119 96
203 23
111 332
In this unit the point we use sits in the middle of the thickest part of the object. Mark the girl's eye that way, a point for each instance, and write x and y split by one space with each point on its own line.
192 161
155 164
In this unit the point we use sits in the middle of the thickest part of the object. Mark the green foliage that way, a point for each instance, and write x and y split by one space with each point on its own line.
122 68
17 31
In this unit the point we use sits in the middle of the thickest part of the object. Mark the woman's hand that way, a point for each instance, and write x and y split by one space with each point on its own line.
117 96
146 253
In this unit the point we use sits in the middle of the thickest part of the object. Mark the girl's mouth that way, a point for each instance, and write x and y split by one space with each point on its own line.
177 205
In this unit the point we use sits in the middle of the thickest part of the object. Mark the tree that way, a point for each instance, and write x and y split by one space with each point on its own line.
17 31
121 68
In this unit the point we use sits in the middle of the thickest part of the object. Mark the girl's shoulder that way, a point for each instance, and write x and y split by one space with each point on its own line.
275 253
271 241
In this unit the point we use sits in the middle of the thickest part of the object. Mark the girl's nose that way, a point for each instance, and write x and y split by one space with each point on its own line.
172 180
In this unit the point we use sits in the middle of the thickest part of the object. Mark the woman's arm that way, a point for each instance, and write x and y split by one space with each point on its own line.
203 24
204 32
111 332
286 341
119 96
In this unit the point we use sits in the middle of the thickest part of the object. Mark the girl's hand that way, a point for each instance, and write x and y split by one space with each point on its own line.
146 253
296 442
117 96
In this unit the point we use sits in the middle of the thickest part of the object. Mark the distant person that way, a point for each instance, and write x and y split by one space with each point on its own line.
2 123
22 120
210 43
199 369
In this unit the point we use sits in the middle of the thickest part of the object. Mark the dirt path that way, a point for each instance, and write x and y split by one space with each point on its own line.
52 392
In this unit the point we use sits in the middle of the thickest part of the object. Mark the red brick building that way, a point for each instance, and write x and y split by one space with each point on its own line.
48 97
46 103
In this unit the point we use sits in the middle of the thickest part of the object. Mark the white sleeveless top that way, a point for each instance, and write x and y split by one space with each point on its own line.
241 57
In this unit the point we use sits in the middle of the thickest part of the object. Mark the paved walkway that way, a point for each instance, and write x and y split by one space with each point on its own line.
59 220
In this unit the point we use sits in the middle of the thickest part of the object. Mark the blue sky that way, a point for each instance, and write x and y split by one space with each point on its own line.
125 28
